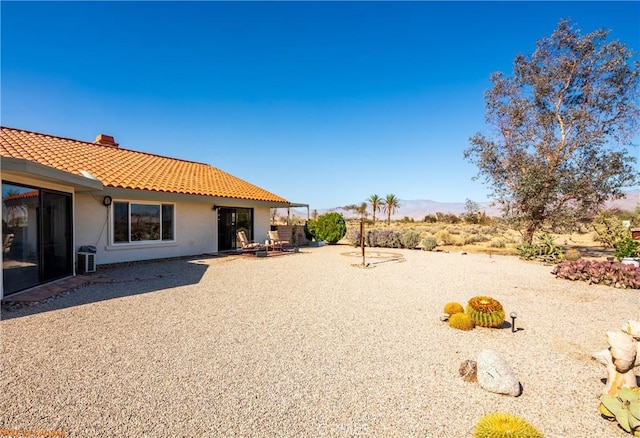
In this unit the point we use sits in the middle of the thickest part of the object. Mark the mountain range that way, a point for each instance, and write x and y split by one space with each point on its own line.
417 209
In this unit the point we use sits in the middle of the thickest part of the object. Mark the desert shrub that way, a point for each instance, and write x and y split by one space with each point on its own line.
429 243
330 227
444 237
430 218
475 238
371 238
431 230
410 239
457 240
353 236
497 242
454 230
542 249
609 229
598 272
448 218
384 239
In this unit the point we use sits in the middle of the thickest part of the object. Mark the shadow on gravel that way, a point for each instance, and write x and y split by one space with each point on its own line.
117 281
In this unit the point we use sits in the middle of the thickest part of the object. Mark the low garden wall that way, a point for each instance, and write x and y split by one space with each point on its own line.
285 232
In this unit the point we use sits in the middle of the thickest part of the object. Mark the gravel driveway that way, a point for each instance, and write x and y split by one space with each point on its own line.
305 345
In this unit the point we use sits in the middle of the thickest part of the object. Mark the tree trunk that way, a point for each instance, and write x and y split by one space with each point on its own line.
530 232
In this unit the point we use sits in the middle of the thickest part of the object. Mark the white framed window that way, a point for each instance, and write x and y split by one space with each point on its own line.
136 222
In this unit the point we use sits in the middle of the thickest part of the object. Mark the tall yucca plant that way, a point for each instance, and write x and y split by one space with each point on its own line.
376 203
390 206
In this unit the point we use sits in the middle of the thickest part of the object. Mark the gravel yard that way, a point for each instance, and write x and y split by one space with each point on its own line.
306 345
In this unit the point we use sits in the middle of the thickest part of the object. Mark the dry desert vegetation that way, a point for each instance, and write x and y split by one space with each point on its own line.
496 239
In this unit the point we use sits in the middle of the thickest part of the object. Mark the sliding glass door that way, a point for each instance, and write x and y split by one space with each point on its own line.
230 221
37 236
57 251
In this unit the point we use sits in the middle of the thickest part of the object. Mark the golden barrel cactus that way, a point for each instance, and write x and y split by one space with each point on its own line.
461 321
504 425
486 311
452 308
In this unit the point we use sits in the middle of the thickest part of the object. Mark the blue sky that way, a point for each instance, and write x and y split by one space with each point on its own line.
322 103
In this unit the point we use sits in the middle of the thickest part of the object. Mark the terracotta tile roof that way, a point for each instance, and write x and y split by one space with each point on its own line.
128 169
25 195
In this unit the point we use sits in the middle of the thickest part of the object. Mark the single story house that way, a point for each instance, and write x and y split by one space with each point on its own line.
61 194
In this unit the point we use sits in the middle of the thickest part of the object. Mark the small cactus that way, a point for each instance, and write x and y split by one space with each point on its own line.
461 321
572 254
503 425
452 307
486 311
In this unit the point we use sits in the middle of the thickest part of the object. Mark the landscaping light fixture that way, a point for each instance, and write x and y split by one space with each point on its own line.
513 316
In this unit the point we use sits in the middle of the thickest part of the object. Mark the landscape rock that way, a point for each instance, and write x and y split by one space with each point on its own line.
469 371
495 374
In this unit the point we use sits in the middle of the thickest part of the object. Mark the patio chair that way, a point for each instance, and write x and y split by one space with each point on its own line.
8 240
247 245
276 242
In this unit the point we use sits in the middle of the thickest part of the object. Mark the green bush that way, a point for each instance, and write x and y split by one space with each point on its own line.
410 239
627 247
308 229
329 227
609 229
429 243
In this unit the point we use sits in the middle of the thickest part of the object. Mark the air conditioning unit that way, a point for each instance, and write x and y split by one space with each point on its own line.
86 262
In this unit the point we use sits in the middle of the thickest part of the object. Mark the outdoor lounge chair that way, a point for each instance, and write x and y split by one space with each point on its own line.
8 240
276 242
248 246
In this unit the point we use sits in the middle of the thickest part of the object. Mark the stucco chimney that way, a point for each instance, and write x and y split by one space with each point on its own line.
106 140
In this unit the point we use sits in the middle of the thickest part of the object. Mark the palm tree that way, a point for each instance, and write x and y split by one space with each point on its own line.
376 203
390 205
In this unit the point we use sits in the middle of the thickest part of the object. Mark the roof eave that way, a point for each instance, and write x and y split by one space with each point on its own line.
47 173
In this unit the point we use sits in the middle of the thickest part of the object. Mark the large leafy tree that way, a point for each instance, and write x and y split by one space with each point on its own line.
376 204
329 227
390 205
562 124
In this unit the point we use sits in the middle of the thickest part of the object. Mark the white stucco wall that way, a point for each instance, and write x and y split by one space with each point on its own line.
261 223
195 228
195 231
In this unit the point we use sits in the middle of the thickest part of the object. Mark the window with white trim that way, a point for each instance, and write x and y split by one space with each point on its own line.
136 222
